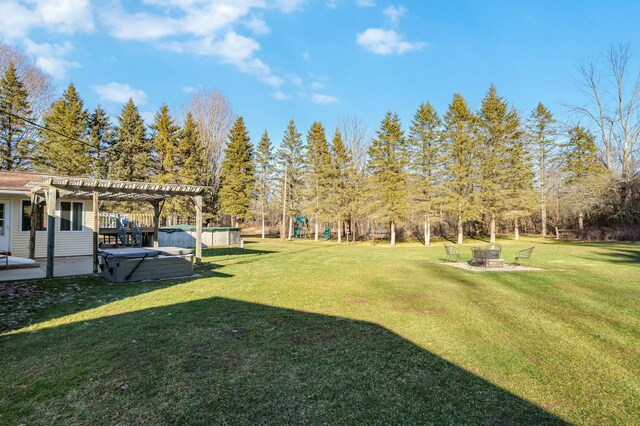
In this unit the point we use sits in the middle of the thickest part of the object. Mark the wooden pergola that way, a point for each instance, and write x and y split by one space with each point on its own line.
51 188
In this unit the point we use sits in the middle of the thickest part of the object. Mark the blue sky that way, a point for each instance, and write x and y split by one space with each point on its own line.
318 59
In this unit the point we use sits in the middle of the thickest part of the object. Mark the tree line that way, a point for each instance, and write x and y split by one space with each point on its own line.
456 173
466 168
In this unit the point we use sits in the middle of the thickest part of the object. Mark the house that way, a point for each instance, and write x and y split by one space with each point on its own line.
73 219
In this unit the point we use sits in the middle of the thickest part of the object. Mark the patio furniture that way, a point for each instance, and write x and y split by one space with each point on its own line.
452 252
4 254
488 257
524 255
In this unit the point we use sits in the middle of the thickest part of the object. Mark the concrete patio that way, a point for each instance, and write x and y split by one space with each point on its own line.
64 267
505 267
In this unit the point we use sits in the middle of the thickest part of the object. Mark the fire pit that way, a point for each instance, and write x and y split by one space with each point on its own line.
488 257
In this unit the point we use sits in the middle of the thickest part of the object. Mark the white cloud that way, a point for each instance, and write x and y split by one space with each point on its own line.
50 57
19 18
257 25
386 42
318 98
306 56
288 6
296 80
365 3
56 16
189 89
120 93
280 96
394 13
332 4
317 85
202 27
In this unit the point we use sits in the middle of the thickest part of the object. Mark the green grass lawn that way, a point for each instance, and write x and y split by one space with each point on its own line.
305 332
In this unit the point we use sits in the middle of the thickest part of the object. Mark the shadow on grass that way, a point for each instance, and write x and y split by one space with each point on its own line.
232 251
617 255
30 302
224 361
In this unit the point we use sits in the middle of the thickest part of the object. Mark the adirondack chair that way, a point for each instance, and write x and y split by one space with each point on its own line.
452 252
136 234
524 255
121 232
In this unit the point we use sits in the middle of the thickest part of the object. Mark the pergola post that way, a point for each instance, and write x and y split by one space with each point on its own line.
198 203
34 223
51 196
157 209
96 231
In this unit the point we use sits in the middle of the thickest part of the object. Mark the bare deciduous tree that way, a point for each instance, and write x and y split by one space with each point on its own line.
357 138
612 109
38 83
214 117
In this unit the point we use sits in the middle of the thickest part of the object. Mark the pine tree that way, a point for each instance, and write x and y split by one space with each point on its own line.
190 162
101 139
69 154
291 171
425 163
459 140
341 185
238 174
580 161
319 172
16 141
520 195
542 139
190 157
499 126
164 142
264 162
132 150
388 176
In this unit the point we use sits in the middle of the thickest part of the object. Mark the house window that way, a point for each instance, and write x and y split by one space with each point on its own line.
41 218
70 216
76 225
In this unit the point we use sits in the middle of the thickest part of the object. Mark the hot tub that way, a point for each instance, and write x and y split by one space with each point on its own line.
140 263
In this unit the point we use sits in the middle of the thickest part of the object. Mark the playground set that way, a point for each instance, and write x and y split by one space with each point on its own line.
301 229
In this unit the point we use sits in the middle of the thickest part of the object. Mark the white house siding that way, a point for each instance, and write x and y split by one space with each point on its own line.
67 243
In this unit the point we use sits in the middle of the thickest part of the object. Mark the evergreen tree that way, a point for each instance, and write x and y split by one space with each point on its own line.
342 185
101 139
542 139
132 150
190 157
520 197
164 141
580 161
425 163
319 172
70 154
459 140
388 176
291 171
190 162
264 162
499 126
238 174
16 141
